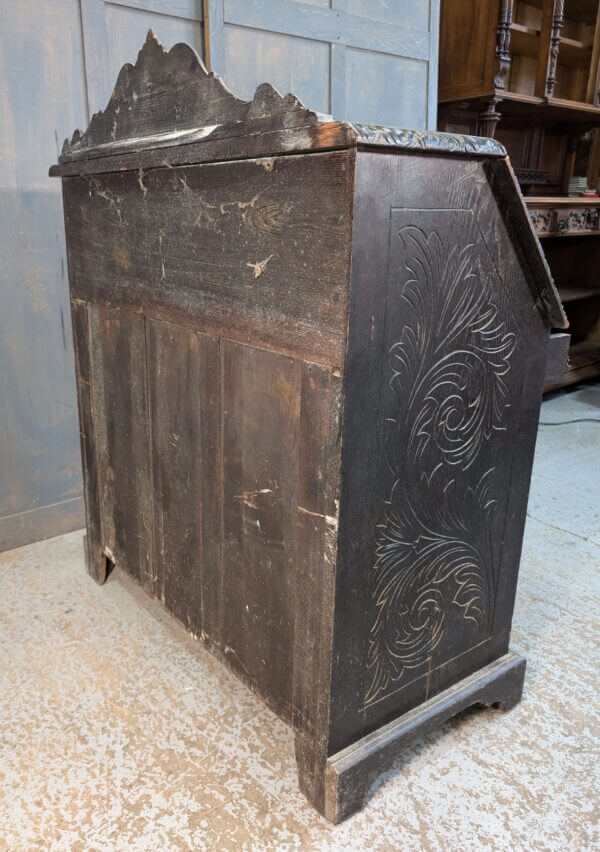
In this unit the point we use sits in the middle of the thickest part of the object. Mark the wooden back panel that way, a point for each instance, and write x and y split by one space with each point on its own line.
257 250
210 319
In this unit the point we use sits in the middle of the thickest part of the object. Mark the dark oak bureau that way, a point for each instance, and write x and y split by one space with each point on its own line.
310 358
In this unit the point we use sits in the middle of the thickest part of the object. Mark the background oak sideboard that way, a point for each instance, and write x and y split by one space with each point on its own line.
527 72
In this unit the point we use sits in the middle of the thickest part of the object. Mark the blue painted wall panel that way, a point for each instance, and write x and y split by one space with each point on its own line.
365 60
42 98
383 89
291 64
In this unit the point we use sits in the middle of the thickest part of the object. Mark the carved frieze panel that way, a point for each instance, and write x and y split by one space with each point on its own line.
550 220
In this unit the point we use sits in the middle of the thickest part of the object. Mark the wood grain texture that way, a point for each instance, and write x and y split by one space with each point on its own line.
95 561
557 359
335 26
261 410
316 547
438 423
142 102
315 382
351 772
122 440
258 251
185 422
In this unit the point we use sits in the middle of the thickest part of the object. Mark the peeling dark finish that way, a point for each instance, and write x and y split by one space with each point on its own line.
200 230
309 379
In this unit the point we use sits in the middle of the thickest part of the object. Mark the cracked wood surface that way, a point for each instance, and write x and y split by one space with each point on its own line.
258 255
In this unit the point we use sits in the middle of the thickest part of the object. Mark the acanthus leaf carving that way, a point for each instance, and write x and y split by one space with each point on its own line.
433 548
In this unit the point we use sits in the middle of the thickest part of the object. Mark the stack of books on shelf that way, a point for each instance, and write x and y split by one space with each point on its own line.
577 186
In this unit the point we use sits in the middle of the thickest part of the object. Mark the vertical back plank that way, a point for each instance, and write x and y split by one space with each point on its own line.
183 389
316 537
261 394
122 439
95 562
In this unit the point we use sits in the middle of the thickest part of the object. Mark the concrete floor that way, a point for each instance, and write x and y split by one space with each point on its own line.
118 731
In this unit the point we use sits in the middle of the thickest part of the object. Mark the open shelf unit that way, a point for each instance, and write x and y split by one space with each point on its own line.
528 73
577 66
548 49
574 259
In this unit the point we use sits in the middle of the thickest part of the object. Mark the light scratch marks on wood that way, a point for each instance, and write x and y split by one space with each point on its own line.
143 186
259 266
330 520
244 206
249 497
95 185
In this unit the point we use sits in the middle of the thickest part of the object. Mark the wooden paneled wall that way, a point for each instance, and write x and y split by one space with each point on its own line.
373 61
365 60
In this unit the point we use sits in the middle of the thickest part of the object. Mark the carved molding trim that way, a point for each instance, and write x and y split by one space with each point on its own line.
529 177
551 220
433 547
428 140
544 221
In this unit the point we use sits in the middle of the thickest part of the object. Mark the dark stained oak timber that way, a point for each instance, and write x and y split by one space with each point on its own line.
310 357
122 440
256 249
350 772
557 362
96 564
185 414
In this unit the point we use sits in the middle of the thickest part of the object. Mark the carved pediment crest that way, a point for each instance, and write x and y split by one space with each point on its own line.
170 93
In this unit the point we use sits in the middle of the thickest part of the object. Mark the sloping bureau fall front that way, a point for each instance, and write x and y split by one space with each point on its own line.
310 358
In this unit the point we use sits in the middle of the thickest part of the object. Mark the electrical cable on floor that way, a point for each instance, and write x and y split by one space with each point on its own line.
568 422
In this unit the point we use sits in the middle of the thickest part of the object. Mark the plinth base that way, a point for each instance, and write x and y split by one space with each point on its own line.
350 773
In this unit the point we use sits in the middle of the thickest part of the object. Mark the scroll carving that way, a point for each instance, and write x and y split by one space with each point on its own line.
428 140
447 376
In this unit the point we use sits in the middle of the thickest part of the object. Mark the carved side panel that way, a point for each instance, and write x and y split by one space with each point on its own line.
445 400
